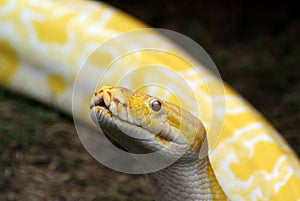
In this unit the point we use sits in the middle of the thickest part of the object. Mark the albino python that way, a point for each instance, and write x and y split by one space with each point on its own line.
43 44
159 126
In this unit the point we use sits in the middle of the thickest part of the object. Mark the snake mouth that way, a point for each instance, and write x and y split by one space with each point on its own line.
100 114
115 128
103 111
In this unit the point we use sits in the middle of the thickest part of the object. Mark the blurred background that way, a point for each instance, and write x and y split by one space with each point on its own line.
256 47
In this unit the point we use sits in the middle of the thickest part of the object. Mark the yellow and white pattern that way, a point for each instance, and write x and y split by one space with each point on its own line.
43 44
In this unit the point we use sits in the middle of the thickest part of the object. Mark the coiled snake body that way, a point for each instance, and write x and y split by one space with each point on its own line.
44 43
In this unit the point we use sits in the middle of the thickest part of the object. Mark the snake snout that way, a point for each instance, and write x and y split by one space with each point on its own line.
101 99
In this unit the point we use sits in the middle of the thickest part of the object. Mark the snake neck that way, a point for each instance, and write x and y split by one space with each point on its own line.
193 180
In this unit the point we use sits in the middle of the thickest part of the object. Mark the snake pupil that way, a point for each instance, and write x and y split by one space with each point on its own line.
155 105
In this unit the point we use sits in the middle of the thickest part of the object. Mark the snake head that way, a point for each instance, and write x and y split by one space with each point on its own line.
141 123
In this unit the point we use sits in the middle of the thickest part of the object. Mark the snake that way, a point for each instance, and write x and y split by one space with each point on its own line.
43 46
168 128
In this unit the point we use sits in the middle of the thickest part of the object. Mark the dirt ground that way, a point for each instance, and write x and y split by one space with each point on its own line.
256 48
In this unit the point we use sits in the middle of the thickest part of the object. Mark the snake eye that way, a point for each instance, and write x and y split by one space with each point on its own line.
155 105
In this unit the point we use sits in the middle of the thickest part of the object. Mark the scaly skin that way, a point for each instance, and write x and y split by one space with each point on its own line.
129 118
250 160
